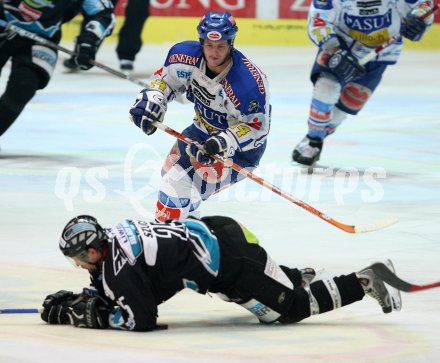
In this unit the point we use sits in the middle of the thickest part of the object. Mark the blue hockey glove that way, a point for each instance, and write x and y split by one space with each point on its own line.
150 106
413 27
222 143
344 66
197 151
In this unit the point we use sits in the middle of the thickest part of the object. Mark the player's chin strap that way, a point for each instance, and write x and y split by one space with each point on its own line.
229 163
27 34
370 56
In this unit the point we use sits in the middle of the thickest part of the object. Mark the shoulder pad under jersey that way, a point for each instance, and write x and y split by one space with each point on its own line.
188 52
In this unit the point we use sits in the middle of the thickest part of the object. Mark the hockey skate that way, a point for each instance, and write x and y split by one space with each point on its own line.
389 298
396 299
126 65
307 152
71 65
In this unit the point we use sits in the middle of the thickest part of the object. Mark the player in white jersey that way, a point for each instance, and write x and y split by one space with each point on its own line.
232 114
136 266
345 31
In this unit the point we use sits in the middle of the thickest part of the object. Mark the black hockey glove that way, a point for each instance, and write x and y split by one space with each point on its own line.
55 307
412 27
89 312
81 310
344 66
150 106
6 34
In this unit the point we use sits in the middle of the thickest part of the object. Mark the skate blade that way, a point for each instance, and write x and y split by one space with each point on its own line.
396 299
307 169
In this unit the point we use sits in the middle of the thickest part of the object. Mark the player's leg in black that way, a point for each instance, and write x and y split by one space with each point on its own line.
31 70
130 35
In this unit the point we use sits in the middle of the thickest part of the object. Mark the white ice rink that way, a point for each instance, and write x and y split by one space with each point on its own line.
73 151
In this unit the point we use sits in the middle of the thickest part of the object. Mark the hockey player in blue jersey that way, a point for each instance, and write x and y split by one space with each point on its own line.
32 63
346 31
232 115
136 266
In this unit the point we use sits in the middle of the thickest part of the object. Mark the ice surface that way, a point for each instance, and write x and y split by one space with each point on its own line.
74 151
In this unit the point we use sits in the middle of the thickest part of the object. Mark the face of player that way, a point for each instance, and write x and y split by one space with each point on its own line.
91 264
217 54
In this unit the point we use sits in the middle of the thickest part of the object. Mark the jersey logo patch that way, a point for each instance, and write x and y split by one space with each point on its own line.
183 58
256 73
230 93
368 24
183 73
119 259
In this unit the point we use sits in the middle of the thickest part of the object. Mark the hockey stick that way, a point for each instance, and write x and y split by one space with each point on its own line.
393 280
229 163
370 56
20 311
27 34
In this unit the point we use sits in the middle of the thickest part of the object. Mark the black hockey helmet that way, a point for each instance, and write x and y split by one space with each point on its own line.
79 234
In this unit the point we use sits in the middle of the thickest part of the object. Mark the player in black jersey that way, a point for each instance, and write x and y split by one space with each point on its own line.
32 63
136 265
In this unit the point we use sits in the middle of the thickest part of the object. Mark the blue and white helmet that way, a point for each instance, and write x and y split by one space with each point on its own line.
217 26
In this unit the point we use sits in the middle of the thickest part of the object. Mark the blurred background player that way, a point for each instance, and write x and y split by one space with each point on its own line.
232 114
130 34
32 63
346 31
136 265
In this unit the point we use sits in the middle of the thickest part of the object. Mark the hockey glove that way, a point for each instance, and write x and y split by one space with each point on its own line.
344 66
222 143
89 312
197 151
413 27
150 106
6 34
55 307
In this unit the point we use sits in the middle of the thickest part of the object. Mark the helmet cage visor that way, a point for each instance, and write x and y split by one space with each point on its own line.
79 235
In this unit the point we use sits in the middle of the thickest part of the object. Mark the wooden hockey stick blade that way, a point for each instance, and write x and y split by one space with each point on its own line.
20 311
393 280
377 225
276 190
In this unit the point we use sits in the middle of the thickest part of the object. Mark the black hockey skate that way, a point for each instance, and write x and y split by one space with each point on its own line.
71 64
307 152
126 65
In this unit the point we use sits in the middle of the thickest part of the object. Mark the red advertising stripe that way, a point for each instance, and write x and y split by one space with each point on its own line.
238 8
294 9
